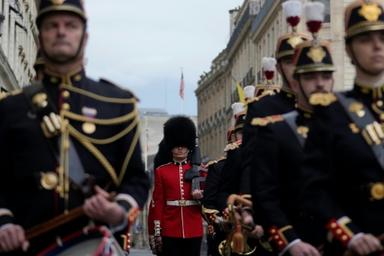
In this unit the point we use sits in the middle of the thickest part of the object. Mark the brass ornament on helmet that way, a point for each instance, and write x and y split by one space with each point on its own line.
317 54
363 16
57 2
370 11
295 41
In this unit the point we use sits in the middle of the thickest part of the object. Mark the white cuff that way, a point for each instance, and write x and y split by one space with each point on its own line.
4 211
120 226
354 238
289 246
127 198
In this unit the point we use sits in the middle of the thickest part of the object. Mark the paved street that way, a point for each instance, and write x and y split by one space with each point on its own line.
142 252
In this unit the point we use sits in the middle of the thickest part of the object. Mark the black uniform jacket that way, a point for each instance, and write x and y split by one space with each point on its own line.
341 171
111 153
275 182
212 184
279 103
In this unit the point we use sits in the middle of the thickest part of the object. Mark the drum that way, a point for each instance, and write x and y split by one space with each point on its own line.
95 241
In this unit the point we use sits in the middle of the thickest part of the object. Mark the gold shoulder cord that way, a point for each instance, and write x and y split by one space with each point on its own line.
99 97
112 121
109 140
89 143
135 140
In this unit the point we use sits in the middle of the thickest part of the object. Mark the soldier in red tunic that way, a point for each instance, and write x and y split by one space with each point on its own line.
174 221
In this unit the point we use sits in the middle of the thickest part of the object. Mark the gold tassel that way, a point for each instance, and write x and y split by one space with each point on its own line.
238 240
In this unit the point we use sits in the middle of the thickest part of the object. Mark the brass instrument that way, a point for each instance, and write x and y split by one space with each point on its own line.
237 238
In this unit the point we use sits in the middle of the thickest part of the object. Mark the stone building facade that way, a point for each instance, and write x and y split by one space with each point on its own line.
254 29
18 42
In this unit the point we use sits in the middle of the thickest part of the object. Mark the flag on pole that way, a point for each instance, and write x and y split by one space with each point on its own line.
240 93
181 89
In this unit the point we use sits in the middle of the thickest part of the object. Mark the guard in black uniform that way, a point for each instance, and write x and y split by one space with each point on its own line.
209 203
282 101
231 176
278 153
343 168
60 137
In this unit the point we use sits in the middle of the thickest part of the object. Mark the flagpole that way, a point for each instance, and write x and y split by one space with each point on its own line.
165 96
182 99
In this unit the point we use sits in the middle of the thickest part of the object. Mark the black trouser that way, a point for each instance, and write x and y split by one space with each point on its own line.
181 246
214 241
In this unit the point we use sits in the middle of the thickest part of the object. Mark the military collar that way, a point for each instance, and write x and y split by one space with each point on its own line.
375 93
184 162
73 78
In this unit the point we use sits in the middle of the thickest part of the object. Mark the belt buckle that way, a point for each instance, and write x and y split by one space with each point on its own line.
182 202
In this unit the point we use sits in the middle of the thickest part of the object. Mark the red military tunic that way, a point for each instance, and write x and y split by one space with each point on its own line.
172 204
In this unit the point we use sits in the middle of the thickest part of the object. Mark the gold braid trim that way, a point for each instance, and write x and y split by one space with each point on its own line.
99 156
99 97
111 121
129 154
112 139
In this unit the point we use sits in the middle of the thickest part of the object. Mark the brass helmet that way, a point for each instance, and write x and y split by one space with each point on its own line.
287 43
51 6
314 55
363 16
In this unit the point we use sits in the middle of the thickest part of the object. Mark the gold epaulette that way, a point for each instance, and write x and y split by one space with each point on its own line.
215 161
211 163
232 146
107 81
254 99
98 97
264 121
322 99
269 92
3 95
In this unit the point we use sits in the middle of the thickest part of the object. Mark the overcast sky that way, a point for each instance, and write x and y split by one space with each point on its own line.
142 45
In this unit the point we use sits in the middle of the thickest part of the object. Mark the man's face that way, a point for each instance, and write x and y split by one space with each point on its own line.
61 35
180 153
368 50
286 68
239 135
316 82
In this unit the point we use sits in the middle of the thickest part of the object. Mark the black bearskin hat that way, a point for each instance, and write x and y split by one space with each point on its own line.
180 131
